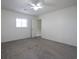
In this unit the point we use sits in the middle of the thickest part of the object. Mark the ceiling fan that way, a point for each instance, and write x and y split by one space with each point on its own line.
34 5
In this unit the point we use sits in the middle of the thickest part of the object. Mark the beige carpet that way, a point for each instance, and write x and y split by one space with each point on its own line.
37 48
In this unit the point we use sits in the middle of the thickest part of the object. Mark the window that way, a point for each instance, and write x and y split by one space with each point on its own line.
21 22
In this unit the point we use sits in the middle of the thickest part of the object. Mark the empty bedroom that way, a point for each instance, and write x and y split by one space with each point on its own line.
38 29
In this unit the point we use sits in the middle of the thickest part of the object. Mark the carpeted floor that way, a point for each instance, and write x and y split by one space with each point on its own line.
37 48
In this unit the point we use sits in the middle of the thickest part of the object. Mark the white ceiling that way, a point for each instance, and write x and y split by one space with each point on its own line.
48 5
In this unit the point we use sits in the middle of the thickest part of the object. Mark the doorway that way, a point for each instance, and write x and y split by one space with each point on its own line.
36 28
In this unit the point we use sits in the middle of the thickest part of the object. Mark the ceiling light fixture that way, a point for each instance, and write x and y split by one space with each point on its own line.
36 7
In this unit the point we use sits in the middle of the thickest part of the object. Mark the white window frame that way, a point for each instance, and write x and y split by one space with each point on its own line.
21 22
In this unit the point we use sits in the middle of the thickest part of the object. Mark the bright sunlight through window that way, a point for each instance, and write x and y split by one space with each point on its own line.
21 22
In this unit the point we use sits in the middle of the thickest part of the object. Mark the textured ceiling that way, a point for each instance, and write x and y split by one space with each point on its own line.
22 6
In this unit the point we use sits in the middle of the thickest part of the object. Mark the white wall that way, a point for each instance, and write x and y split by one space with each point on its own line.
9 31
61 25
